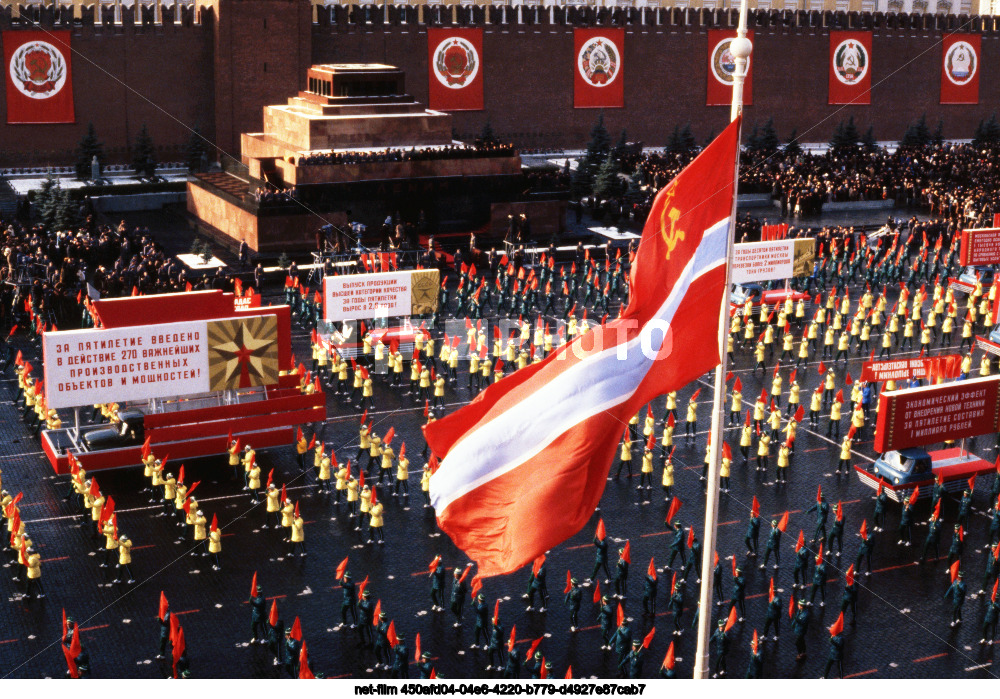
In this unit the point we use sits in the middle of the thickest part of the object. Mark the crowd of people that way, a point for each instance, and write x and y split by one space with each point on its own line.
400 155
266 197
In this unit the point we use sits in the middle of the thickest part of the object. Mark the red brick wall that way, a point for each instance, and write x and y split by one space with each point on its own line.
528 86
169 71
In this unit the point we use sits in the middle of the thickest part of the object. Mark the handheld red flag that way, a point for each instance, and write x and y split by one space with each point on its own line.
513 635
342 568
253 585
783 522
601 532
731 621
649 638
620 615
838 626
675 505
651 570
849 576
569 585
754 507
801 541
668 659
297 629
272 618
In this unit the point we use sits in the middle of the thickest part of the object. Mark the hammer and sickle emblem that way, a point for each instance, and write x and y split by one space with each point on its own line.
668 223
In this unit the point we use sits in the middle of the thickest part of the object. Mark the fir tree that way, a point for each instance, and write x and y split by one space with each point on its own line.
621 147
88 148
606 182
753 140
487 136
600 143
938 136
688 143
917 135
868 141
65 210
768 141
144 154
46 201
674 145
793 148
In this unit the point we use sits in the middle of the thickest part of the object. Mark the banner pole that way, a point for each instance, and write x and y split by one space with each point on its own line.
740 48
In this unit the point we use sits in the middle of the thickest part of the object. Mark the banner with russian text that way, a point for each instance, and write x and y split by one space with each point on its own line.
960 68
722 67
850 67
105 365
39 77
381 295
455 69
597 68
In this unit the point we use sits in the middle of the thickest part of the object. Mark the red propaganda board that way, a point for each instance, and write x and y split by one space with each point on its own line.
980 246
39 74
597 68
722 66
455 69
850 67
960 56
929 414
947 366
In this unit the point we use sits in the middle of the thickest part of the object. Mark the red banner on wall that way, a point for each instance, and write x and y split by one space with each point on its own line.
721 66
597 68
980 246
918 416
850 67
960 69
455 69
39 77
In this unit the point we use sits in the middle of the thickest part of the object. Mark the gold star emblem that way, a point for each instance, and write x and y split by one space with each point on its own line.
243 352
423 291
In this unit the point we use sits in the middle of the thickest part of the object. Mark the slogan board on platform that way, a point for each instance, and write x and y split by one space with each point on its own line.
980 246
947 366
381 295
929 414
84 367
777 259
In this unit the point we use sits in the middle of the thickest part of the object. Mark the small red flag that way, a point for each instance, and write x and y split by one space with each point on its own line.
651 570
675 505
731 622
253 585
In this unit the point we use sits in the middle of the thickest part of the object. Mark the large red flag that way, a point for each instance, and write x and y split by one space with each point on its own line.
722 67
960 68
455 69
850 67
542 439
597 68
39 74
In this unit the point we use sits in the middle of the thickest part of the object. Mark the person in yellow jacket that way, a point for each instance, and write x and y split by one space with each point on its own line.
301 447
828 342
323 358
375 522
388 463
249 457
966 336
439 390
358 385
803 357
748 332
833 429
366 507
764 313
794 397
200 532
984 365
169 494
787 346
736 408
180 495
668 475
843 344
947 325
774 420
364 439
402 485
340 486
671 406
907 335
758 354
215 547
730 348
425 384
626 456
691 424
297 535
813 334
352 496
966 365
34 575
287 514
453 364
783 459
763 452
425 485
633 427
374 453
485 370
734 324
473 370
253 480
342 377
790 429
746 441
646 470
845 455
96 505
323 475
397 368
497 374
272 507
759 408
124 561
110 542
724 468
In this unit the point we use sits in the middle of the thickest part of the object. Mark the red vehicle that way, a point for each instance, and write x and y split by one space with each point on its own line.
899 472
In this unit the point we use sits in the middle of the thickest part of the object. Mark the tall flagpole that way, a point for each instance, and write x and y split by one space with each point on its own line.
740 48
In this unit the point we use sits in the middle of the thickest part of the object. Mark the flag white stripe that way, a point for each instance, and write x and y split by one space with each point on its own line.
585 389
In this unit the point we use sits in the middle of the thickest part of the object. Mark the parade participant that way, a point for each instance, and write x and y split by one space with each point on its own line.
33 575
537 585
677 544
200 536
366 619
215 543
837 531
774 611
746 440
646 471
691 426
458 590
784 452
957 544
956 592
621 574
124 560
763 451
802 556
773 545
382 648
800 624
815 403
374 453
752 536
693 564
400 669
626 455
721 640
755 668
836 655
990 618
253 482
822 510
249 458
905 523
601 553
297 535
849 600
933 535
622 638
738 598
272 507
365 498
258 634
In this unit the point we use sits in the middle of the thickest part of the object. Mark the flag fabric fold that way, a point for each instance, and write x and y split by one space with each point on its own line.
541 440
